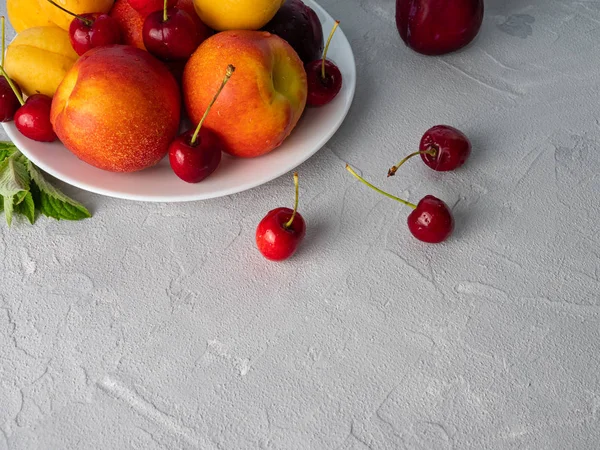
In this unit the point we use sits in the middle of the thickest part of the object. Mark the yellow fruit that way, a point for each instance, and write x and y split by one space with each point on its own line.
237 14
62 19
24 14
39 58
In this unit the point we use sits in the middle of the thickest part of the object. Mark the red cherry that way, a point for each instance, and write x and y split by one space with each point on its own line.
91 30
194 162
324 77
145 7
170 34
322 90
9 103
435 27
280 232
195 154
97 30
431 221
33 119
443 148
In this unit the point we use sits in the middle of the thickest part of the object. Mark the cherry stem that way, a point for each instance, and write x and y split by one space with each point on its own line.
335 25
88 22
431 151
362 180
228 73
12 86
2 24
288 224
165 17
2 71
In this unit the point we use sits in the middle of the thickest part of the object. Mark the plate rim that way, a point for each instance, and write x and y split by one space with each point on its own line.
12 133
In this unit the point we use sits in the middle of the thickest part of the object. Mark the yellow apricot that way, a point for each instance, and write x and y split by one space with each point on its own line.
39 58
236 14
62 19
24 14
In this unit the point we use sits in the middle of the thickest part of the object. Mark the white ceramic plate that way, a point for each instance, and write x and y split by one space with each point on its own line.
160 184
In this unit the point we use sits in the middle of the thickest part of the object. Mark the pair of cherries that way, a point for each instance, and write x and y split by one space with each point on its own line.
169 33
442 148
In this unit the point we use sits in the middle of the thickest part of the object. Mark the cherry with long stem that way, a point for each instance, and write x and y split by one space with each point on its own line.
90 30
228 74
281 231
196 154
430 221
442 148
324 79
171 34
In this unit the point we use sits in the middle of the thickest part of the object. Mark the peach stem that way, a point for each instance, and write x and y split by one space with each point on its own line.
394 169
228 73
165 17
88 22
335 25
362 180
289 223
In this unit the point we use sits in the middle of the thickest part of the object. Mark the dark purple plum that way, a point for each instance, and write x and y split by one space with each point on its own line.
299 25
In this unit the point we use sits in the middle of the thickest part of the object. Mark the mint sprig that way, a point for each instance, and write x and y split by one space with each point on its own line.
25 191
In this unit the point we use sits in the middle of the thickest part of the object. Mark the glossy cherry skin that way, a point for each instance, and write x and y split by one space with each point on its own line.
104 30
452 148
9 104
436 27
145 7
322 90
274 240
195 162
33 119
174 39
432 221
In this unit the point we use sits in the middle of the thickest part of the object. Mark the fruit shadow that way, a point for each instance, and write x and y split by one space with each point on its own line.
317 230
469 216
480 141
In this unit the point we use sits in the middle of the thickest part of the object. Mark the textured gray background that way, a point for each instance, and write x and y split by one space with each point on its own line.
159 326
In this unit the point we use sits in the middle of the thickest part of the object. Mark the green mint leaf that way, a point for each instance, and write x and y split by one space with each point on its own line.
7 145
1 203
27 207
19 197
14 177
8 209
14 184
52 202
6 150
